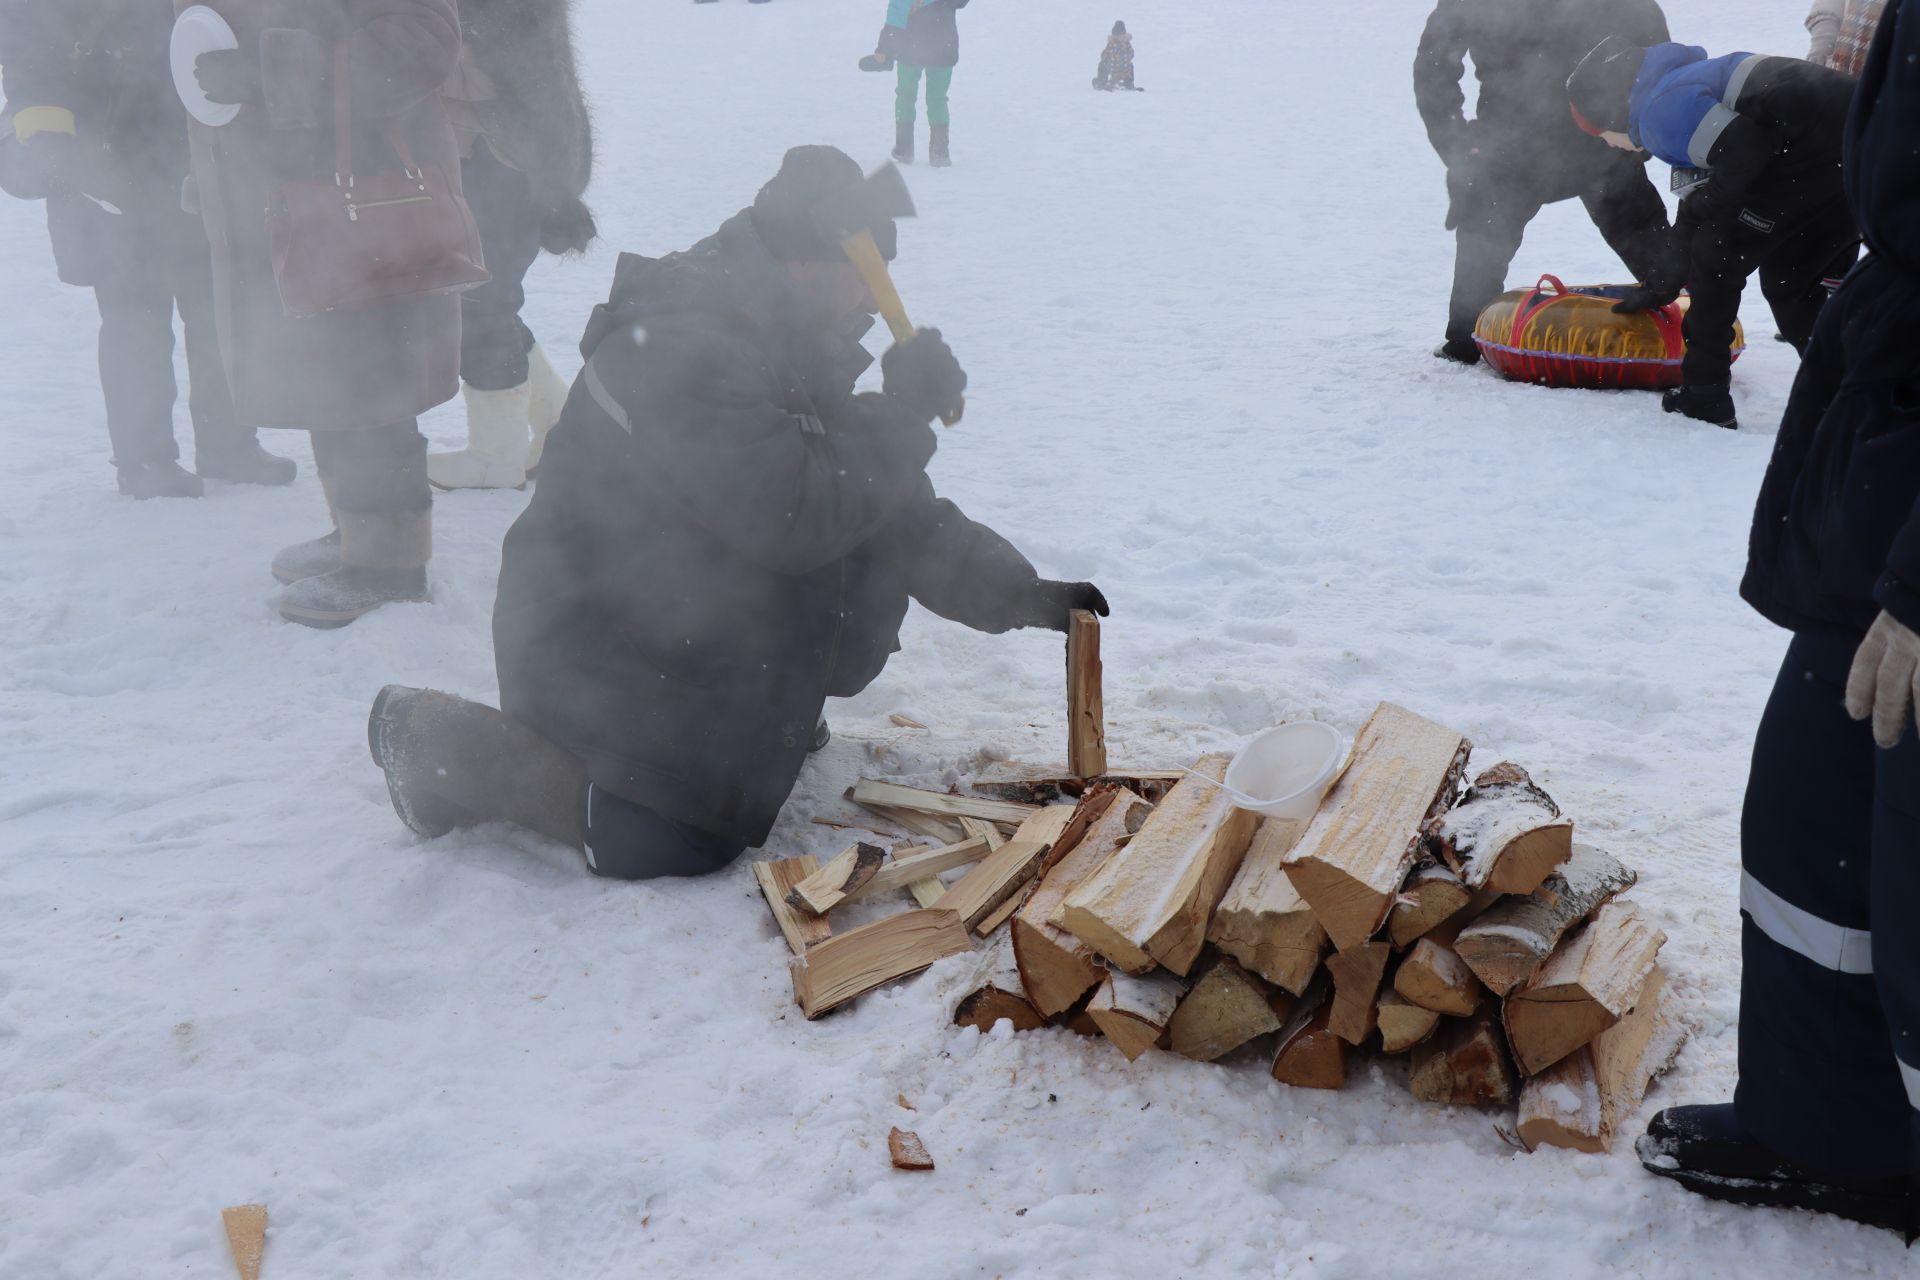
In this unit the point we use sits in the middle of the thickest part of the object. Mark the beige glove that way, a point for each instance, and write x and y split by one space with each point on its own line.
1884 684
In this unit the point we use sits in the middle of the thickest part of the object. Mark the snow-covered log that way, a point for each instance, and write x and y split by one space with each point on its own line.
1580 1101
1507 944
1133 1012
1589 984
1506 834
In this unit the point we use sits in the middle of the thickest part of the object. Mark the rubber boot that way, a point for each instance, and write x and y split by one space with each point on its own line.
937 147
496 452
903 141
1458 350
544 405
158 480
454 763
383 561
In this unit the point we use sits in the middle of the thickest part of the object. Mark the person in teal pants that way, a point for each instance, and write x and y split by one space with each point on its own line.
922 37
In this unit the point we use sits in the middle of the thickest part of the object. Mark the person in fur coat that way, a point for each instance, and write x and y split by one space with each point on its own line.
526 147
1116 61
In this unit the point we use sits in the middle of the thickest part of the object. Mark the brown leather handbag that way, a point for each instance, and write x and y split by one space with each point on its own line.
365 239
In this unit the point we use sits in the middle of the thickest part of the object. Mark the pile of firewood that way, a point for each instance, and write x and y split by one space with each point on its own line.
1458 925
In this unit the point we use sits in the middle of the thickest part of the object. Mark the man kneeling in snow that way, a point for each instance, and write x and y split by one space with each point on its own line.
724 536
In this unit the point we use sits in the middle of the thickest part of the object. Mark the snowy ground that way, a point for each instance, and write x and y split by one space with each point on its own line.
1197 323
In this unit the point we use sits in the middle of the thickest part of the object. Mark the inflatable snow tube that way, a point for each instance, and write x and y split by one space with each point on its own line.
1557 336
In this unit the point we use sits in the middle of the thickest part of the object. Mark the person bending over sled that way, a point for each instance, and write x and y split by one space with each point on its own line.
1116 61
1827 1112
1755 145
724 536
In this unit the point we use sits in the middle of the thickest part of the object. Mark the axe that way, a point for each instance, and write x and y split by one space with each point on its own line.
886 195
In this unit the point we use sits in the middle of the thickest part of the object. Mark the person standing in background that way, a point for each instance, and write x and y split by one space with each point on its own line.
527 156
1116 61
93 127
1842 31
923 38
356 379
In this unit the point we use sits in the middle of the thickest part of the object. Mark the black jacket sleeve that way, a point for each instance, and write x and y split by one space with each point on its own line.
37 43
960 569
1438 65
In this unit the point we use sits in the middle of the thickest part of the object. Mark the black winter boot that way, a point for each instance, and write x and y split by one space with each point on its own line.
308 559
937 147
1458 350
453 763
1712 402
903 141
1709 1152
159 480
245 463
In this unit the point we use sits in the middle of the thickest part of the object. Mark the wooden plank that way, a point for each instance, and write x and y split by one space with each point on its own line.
1134 1012
1507 944
892 795
1263 922
1432 895
1226 1007
925 825
1030 784
1581 1101
1586 986
992 994
1435 978
1056 968
1356 975
853 963
1086 712
908 1152
777 877
993 880
1152 901
1506 835
918 864
1311 1056
1403 1024
1004 912
1354 854
927 890
845 875
1465 1064
246 1226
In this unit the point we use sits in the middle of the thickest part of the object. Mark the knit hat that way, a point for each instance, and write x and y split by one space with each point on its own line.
1119 28
819 197
1601 87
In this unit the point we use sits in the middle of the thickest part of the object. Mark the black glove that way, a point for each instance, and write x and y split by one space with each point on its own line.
922 375
1645 297
1054 601
230 77
1466 174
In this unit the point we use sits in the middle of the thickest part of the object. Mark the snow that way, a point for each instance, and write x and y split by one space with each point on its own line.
1197 322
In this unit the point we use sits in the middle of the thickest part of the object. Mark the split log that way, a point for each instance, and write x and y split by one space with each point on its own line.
941 831
1356 975
911 866
1508 943
1585 987
1029 785
1506 834
1465 1064
908 1152
1086 714
1432 895
841 878
1403 1024
983 829
1048 826
1134 1012
777 877
1004 912
853 963
1354 854
993 993
1151 902
891 795
996 878
1226 1007
927 890
246 1226
1263 922
1056 968
1434 977
1580 1101
1311 1056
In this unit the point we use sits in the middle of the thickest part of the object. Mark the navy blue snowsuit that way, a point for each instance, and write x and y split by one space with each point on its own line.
1830 841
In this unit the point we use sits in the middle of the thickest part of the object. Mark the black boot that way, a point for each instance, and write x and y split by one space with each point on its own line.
1709 1152
1709 403
937 147
453 763
1458 350
308 559
245 463
903 141
159 480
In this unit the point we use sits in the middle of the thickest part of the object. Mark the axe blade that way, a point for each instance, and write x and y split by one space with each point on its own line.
887 195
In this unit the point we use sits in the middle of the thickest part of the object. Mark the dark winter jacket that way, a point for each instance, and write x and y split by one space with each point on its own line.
113 211
922 33
351 369
517 87
1767 130
724 536
1522 51
1836 534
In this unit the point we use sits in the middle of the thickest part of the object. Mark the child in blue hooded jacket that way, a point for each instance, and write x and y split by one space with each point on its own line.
1755 145
922 39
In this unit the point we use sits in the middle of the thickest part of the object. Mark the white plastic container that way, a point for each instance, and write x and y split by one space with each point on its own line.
1284 772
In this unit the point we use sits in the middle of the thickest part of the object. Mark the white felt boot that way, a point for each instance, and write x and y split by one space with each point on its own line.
543 410
496 443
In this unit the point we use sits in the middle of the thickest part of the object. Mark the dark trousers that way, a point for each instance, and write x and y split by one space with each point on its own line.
494 341
1491 210
1830 870
1794 259
628 842
136 368
377 471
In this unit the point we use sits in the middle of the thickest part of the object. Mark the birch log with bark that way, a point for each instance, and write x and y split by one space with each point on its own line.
1432 895
1403 1024
1506 834
1465 1064
1506 944
1134 1012
994 993
1435 978
1311 1056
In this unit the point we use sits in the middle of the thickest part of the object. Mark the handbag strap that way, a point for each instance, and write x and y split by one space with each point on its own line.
343 123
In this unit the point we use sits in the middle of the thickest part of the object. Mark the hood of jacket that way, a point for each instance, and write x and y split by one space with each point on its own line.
1882 142
1677 85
